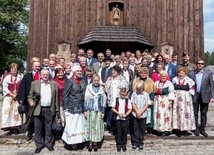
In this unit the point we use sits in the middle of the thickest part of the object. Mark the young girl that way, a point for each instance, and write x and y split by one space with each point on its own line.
122 108
140 101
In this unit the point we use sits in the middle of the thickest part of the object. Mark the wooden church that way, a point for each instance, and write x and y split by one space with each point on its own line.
163 26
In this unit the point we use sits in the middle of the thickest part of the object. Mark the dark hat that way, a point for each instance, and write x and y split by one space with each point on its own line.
107 59
185 54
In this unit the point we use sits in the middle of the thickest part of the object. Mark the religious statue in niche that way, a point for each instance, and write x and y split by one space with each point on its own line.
64 50
116 14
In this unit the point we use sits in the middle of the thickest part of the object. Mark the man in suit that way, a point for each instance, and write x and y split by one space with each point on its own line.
24 90
169 67
45 108
100 64
204 93
51 69
90 59
105 72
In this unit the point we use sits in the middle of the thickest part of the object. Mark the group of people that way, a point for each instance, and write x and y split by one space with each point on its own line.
147 93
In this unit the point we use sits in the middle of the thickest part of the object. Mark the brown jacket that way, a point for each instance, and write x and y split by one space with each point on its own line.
36 87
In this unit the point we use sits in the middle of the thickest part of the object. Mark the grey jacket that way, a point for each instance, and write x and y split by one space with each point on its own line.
207 88
73 96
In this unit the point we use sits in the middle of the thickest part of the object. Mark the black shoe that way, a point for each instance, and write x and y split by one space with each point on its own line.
118 149
196 133
30 135
74 147
204 134
51 148
95 148
38 150
90 148
134 147
167 133
124 149
186 133
140 148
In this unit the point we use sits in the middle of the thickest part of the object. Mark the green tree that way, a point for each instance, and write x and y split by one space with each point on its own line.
211 60
13 32
207 58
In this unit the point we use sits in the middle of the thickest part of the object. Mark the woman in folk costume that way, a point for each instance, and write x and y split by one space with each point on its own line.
164 96
94 109
11 119
183 111
72 103
149 88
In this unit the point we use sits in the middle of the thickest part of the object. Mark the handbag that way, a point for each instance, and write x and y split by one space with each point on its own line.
57 124
22 108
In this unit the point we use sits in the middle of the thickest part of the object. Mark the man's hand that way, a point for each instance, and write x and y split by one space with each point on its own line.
212 100
32 103
86 114
102 116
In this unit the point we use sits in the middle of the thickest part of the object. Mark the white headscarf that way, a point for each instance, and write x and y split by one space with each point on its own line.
76 67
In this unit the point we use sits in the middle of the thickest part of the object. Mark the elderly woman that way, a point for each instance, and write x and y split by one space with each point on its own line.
60 83
183 113
11 119
72 103
94 108
113 86
164 95
156 75
83 64
68 74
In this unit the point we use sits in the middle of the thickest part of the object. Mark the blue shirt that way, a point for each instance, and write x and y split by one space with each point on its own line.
199 76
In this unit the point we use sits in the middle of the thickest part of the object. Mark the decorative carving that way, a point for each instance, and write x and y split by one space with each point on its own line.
64 50
167 48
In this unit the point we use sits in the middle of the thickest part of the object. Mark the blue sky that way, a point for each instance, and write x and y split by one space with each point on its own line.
209 25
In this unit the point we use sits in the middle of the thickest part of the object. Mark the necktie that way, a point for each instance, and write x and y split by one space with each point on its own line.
36 76
100 64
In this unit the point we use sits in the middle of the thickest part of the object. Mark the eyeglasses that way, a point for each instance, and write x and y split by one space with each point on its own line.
200 63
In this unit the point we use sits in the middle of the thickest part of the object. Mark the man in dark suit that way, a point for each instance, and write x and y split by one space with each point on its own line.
204 93
105 72
45 108
24 90
90 59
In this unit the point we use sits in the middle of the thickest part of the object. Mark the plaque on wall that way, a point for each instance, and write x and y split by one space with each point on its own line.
167 48
64 50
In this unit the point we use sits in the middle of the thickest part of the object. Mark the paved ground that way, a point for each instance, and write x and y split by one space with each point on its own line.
153 145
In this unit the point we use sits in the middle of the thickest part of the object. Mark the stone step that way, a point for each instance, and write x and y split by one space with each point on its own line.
22 138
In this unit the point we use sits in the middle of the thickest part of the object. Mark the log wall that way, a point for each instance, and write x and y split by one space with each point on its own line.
178 22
